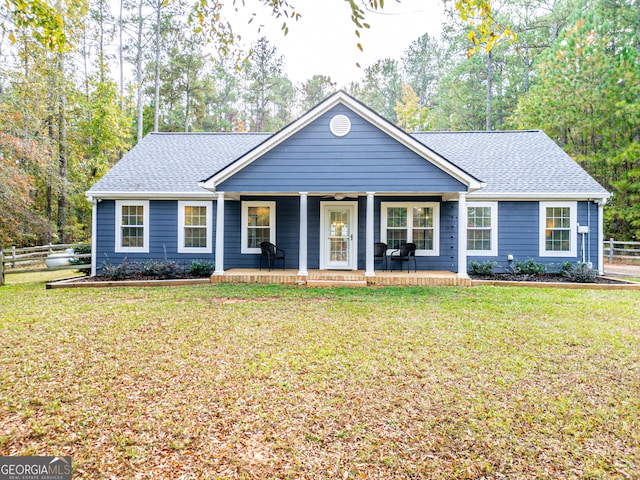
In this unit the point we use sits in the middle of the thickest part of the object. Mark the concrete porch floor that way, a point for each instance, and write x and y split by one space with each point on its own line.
350 278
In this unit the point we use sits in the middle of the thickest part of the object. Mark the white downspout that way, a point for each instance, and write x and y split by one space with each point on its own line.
94 236
601 236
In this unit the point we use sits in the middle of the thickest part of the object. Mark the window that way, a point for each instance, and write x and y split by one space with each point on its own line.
558 229
194 227
132 226
411 223
258 225
482 228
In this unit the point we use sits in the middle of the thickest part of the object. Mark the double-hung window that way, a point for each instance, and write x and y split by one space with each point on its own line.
482 228
194 227
132 226
258 225
417 223
558 229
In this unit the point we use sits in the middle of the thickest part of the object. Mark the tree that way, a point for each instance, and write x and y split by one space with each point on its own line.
316 89
422 66
47 23
263 74
381 87
412 116
221 113
586 98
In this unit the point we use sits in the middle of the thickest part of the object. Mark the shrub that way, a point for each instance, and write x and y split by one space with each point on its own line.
201 268
482 268
579 272
119 272
527 267
81 250
162 269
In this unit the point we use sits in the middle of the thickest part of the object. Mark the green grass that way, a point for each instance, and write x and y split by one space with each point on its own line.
275 382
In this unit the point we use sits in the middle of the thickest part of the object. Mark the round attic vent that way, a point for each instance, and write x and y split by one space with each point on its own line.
340 125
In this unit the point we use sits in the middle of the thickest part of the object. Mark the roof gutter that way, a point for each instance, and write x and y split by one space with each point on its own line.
535 196
114 195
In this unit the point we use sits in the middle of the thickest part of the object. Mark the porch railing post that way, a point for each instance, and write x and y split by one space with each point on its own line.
610 251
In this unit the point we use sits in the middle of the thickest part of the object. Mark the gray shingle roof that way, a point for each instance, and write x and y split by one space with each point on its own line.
515 162
175 162
520 162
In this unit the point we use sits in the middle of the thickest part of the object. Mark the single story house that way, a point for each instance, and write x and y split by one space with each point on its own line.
337 180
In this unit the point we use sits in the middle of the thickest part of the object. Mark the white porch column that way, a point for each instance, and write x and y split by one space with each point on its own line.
601 236
219 234
370 266
462 235
302 261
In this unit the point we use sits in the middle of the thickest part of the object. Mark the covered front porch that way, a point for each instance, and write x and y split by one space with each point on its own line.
337 232
337 278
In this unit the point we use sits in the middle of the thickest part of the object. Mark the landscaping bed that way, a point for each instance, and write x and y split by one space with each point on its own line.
543 277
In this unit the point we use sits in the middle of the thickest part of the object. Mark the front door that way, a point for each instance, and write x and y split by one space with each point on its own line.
339 236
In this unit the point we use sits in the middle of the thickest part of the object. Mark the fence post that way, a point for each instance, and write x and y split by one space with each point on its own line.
1 268
610 251
13 256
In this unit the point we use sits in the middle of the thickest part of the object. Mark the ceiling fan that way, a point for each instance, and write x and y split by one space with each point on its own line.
340 196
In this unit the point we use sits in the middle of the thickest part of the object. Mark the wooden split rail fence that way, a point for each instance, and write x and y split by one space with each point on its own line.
625 252
32 259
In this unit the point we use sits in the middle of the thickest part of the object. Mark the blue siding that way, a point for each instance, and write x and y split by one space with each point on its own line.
518 235
366 159
588 215
287 232
163 235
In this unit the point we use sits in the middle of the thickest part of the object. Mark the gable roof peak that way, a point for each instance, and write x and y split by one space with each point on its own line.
341 97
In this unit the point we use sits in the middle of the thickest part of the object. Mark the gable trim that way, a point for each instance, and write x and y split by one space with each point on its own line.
341 97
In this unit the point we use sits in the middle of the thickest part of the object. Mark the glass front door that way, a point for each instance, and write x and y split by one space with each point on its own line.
339 236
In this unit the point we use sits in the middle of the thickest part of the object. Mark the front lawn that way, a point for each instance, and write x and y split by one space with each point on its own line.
274 382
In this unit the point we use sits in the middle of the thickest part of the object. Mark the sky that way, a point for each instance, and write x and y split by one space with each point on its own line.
323 40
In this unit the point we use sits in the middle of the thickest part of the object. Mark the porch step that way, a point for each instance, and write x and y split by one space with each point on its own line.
336 283
342 276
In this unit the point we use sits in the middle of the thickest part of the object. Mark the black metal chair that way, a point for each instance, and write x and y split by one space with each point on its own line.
271 253
405 253
380 254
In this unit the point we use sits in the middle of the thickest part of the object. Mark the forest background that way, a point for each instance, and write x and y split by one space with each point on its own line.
68 114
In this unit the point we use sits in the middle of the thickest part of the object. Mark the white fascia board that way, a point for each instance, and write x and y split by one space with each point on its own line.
110 195
376 120
539 196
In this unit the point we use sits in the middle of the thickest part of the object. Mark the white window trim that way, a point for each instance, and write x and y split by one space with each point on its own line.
245 224
573 231
145 226
409 205
181 226
494 229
